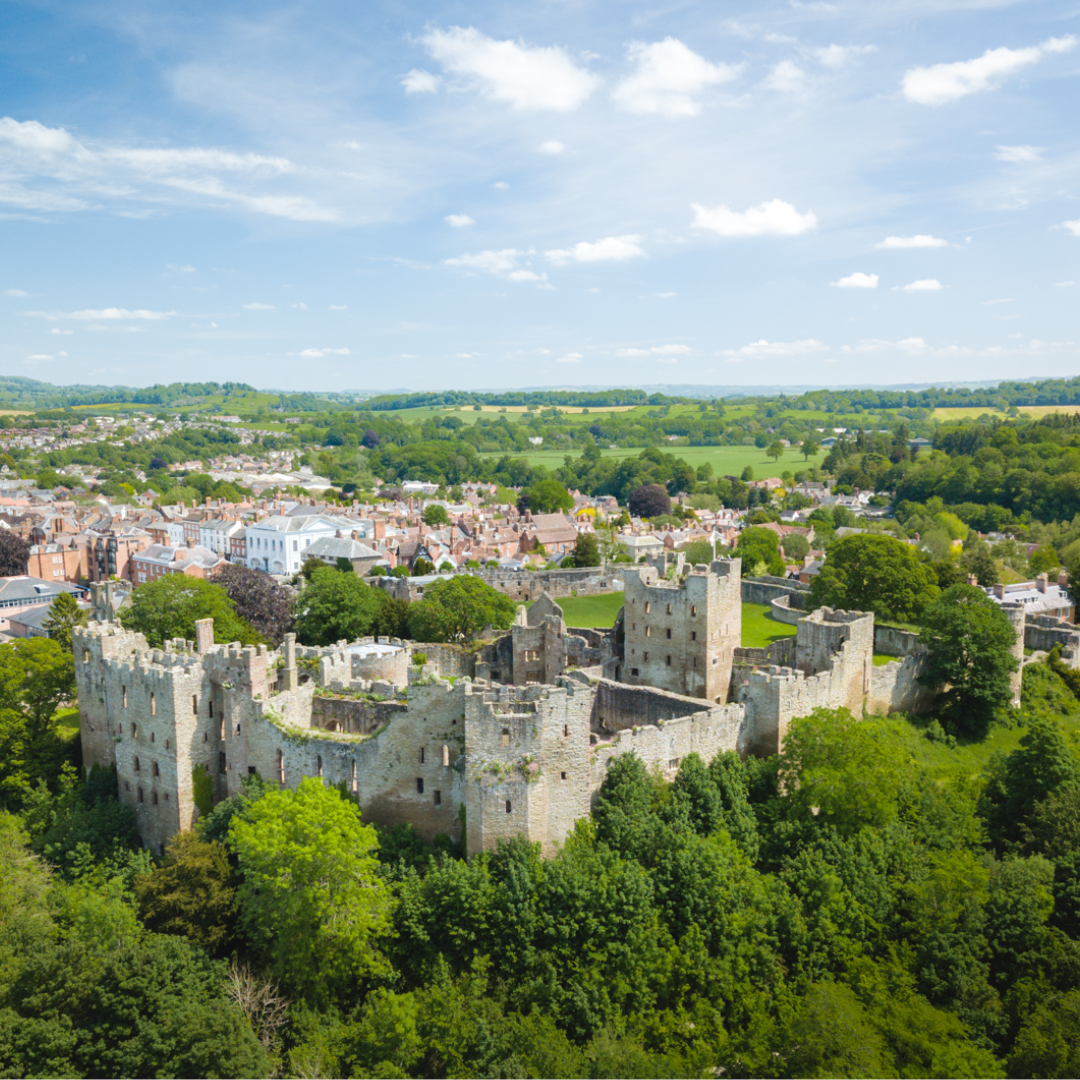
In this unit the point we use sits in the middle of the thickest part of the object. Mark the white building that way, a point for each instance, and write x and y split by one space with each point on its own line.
216 534
277 544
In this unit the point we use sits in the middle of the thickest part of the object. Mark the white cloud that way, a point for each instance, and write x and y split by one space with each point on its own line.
923 285
1072 226
836 56
37 358
668 79
339 307
490 262
666 360
57 330
552 146
775 218
920 241
314 354
857 281
301 306
817 6
501 185
942 83
1018 153
256 306
665 295
778 348
991 303
420 82
30 135
656 350
1064 284
523 76
569 358
525 275
458 221
16 292
786 77
909 345
103 313
180 269
610 249
198 158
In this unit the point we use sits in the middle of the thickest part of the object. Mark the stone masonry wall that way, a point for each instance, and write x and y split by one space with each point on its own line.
530 585
765 589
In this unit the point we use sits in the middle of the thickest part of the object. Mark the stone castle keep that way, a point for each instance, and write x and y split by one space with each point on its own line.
510 737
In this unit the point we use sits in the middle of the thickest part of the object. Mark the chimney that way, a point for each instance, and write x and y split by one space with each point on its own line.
207 500
355 534
380 530
204 634
1063 580
999 591
1041 581
973 580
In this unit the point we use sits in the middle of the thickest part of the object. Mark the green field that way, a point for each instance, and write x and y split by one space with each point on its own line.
760 629
725 460
590 611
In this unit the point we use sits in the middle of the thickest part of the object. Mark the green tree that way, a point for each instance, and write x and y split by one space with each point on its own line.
436 516
759 549
459 607
547 497
64 615
312 901
170 606
192 893
809 448
775 449
335 607
36 677
970 658
874 573
586 551
1043 559
796 546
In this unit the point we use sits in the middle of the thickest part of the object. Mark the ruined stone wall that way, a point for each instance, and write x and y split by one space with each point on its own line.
892 642
663 746
682 638
447 661
784 609
530 585
765 589
619 706
1043 632
895 686
351 715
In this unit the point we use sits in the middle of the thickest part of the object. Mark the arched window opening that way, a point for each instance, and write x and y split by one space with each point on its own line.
123 697
281 767
509 808
153 704
136 765
445 755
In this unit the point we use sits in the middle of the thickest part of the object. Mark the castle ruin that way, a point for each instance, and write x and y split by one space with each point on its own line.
513 737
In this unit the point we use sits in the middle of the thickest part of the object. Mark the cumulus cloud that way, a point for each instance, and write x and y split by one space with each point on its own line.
30 135
775 218
57 330
610 249
778 348
1018 153
256 306
656 350
103 314
920 241
837 56
942 83
526 77
525 275
458 221
570 358
909 345
314 354
1064 284
490 262
857 281
923 285
1072 226
668 79
339 307
420 82
177 269
16 292
786 77
552 146
39 356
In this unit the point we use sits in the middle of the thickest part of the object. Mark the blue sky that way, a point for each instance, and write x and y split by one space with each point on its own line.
371 196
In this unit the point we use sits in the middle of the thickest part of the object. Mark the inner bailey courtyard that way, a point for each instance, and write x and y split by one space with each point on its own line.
509 736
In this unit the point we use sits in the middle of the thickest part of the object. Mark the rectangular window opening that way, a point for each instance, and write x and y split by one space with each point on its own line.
419 785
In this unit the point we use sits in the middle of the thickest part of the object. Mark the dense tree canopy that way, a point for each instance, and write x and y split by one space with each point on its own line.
170 606
867 572
261 602
649 500
457 608
336 607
